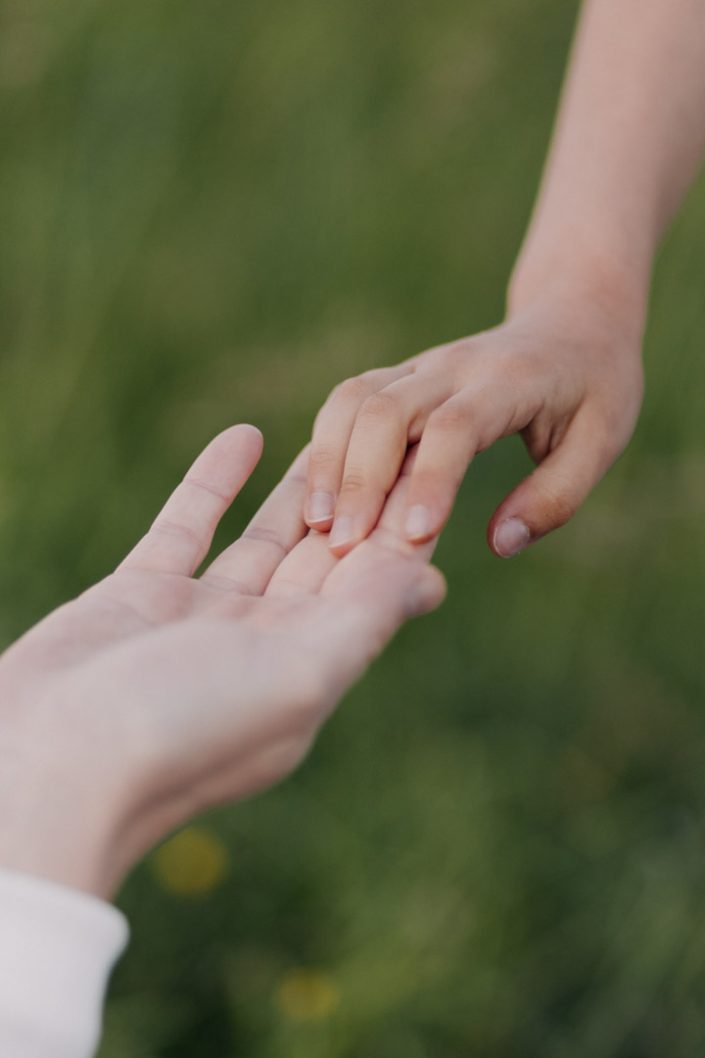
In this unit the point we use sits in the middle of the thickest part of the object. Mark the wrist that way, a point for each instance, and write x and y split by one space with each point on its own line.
60 812
45 833
617 289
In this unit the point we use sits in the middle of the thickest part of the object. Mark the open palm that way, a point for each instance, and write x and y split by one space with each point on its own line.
179 692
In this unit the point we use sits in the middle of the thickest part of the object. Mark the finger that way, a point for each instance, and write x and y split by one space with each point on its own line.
331 434
365 600
551 495
385 425
248 564
181 535
449 442
467 423
306 568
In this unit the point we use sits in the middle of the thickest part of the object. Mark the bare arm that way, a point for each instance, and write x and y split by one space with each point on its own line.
564 369
628 141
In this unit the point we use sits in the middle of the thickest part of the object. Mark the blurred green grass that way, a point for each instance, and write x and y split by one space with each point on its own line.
212 213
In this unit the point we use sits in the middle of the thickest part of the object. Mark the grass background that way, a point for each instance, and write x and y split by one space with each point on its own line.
214 212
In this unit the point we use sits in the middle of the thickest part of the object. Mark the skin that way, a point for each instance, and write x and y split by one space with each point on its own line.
564 369
158 693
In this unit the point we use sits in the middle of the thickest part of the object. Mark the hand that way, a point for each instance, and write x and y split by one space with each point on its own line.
156 693
565 372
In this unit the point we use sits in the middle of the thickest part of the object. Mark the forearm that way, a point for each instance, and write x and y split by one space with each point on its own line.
628 142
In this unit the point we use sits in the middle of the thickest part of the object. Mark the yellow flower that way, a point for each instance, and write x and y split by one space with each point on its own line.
193 862
307 995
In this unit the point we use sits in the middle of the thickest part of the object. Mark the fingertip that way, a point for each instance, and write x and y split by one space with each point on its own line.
349 530
247 437
319 510
229 458
341 550
508 536
248 429
417 525
429 502
421 524
251 427
343 535
319 526
427 592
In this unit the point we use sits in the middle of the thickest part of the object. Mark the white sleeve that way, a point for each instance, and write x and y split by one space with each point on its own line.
57 949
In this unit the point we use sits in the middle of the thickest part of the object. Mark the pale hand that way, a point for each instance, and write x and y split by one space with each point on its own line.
157 694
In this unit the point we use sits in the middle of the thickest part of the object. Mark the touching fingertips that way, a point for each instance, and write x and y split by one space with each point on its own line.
511 537
320 508
342 535
418 525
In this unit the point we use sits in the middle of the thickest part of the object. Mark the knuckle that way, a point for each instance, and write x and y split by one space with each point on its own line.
355 480
606 447
441 483
266 534
558 507
323 457
451 352
352 390
451 417
429 487
613 431
459 359
165 527
381 405
374 378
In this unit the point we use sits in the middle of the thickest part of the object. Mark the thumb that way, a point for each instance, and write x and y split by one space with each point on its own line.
550 496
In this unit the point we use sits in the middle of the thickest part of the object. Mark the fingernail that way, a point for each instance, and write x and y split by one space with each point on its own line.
511 537
418 522
321 506
342 531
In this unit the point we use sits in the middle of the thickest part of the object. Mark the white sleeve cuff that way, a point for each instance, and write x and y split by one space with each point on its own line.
57 949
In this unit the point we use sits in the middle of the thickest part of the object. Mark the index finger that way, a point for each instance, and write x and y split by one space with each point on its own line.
181 534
